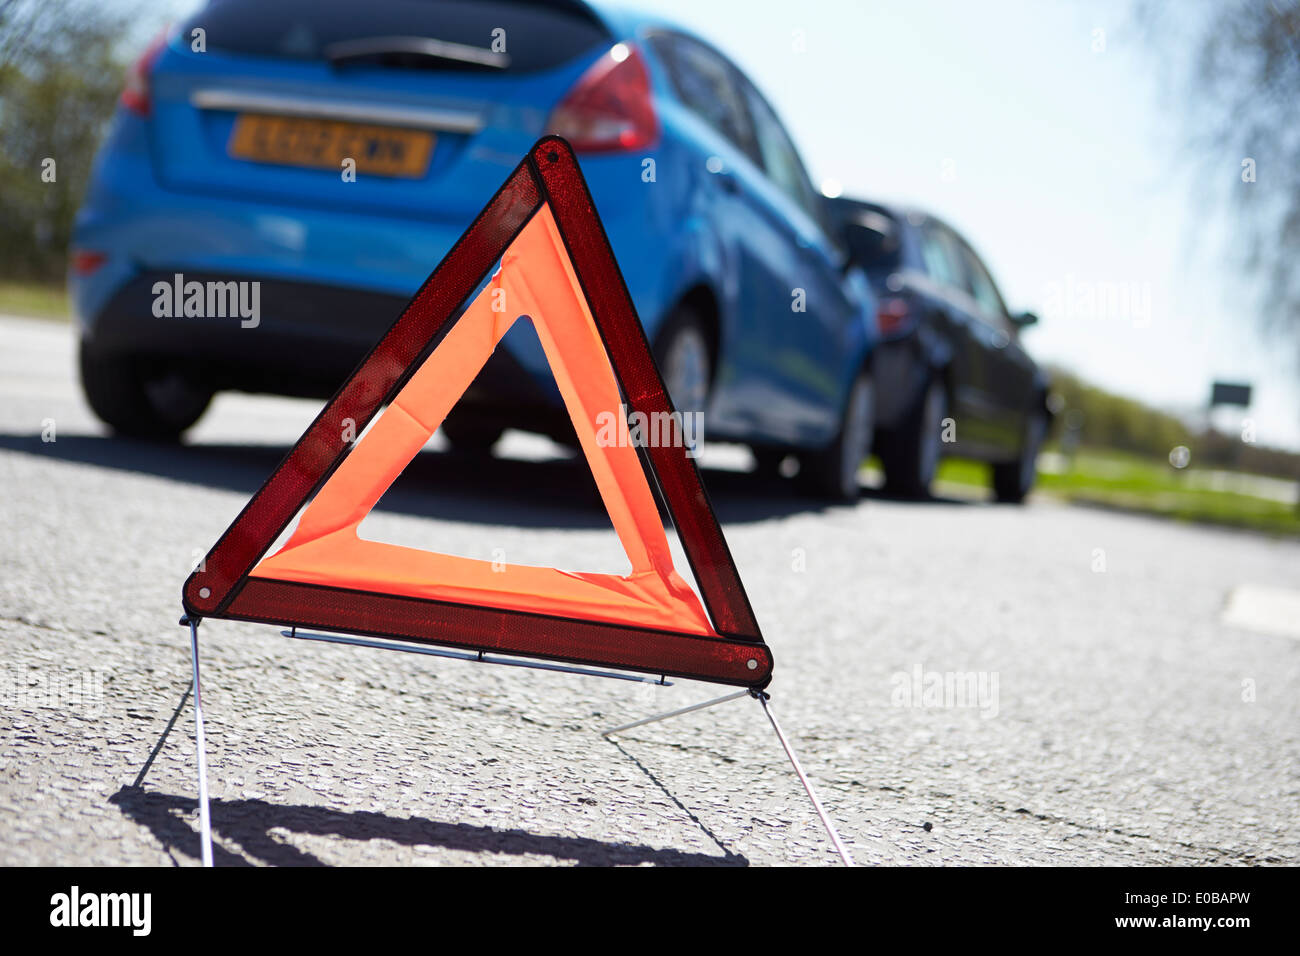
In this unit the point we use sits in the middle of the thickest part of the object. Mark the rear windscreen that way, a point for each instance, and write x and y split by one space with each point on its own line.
532 35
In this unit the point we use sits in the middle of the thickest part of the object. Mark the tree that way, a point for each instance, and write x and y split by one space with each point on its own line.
60 75
1237 64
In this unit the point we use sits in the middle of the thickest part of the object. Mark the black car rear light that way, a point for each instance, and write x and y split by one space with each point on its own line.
893 315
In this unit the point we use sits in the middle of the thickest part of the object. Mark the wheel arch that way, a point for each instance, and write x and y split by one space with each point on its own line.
702 303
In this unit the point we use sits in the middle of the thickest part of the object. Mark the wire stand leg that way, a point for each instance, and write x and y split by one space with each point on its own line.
205 820
675 713
840 848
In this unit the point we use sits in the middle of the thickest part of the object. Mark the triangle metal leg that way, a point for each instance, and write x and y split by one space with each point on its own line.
205 819
840 848
762 697
675 713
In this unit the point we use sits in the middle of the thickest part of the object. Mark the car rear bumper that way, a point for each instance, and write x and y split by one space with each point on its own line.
304 341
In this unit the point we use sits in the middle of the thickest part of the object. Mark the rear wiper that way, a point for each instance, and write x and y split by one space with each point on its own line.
425 47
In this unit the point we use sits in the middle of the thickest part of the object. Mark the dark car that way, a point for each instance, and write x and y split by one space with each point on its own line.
951 376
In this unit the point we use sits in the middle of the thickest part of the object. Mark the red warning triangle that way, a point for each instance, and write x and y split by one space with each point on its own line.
557 271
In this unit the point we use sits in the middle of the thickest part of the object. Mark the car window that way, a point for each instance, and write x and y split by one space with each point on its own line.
537 37
706 85
941 257
779 159
981 287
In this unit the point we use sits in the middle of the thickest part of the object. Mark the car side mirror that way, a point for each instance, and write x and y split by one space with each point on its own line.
840 256
847 262
1024 320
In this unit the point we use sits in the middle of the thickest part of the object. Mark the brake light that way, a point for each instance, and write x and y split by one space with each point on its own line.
136 94
611 107
84 261
892 315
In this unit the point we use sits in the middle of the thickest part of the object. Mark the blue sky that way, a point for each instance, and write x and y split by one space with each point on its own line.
1049 145
1053 148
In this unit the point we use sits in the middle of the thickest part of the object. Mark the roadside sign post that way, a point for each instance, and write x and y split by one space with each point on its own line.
538 253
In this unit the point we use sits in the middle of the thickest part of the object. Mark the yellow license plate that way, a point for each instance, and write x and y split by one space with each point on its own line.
325 144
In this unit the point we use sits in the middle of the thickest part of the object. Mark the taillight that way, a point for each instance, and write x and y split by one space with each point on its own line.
135 95
893 315
611 107
84 261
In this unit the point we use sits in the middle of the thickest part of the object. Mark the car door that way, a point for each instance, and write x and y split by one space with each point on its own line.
971 405
805 318
1010 370
746 399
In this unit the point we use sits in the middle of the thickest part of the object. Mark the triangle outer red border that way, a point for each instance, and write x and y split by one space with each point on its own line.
221 587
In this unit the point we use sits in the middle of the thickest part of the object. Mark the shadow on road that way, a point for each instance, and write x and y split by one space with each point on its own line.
673 797
556 493
249 825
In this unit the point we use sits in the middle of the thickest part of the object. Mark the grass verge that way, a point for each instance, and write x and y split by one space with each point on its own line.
1130 483
39 300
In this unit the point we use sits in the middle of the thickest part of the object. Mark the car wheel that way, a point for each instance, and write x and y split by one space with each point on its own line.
768 461
137 401
911 455
685 361
833 472
471 435
1013 479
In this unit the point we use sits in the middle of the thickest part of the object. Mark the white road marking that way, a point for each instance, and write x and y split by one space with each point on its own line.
1264 609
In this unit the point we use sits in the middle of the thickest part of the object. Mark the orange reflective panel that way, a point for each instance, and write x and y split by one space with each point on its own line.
325 548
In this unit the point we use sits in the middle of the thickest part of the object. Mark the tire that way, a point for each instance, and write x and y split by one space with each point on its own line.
1012 480
768 461
137 401
685 360
911 455
470 435
832 474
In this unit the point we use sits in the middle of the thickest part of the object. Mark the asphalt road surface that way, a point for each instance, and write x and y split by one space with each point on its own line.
966 683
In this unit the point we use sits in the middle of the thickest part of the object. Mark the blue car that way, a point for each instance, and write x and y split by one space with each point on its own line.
281 177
